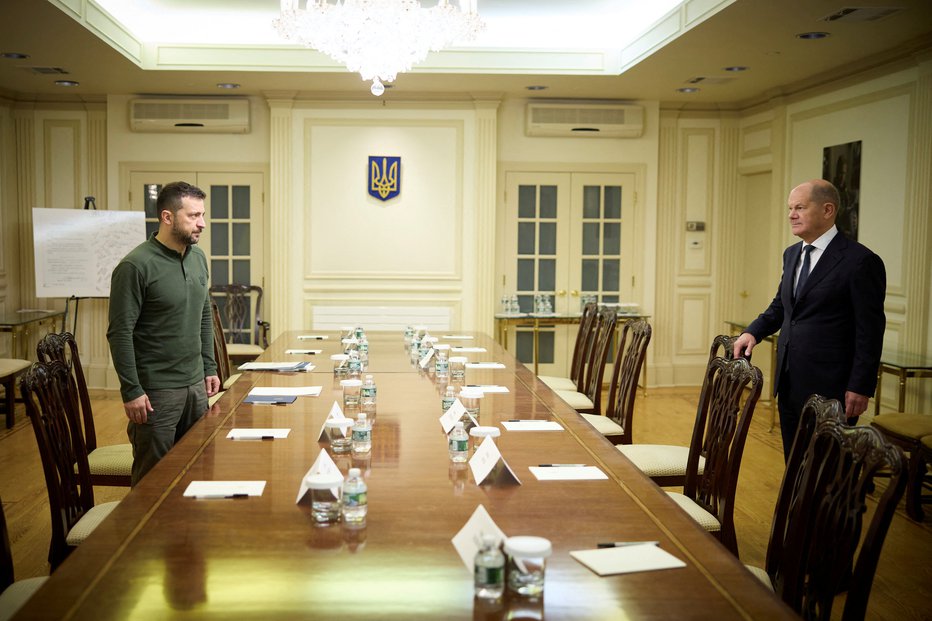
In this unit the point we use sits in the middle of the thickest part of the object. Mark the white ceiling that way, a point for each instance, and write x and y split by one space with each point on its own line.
596 51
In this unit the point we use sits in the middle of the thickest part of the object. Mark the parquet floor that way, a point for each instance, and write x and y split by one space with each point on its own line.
902 588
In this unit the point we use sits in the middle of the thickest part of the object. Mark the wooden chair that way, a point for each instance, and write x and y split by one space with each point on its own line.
584 337
906 430
730 392
666 463
111 464
246 334
10 368
632 350
590 399
13 593
53 409
224 368
819 515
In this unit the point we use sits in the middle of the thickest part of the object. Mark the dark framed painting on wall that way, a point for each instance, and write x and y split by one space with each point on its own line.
841 164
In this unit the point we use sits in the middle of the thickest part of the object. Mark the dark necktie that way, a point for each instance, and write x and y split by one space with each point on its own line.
803 271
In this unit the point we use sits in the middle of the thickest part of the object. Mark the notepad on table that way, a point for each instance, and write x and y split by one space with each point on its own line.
270 399
485 365
532 425
627 559
285 367
568 473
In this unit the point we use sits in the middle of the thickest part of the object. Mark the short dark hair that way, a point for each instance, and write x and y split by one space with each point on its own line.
824 192
171 194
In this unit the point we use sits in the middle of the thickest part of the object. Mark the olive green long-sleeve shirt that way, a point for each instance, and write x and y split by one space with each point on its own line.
161 329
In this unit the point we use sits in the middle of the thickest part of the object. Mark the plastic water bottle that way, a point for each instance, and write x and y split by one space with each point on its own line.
363 349
441 365
409 332
448 398
459 443
355 497
354 364
489 569
362 435
368 395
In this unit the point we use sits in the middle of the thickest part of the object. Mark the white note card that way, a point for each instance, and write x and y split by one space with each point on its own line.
485 365
568 473
312 337
290 391
224 489
479 350
627 559
258 434
487 462
309 352
487 388
457 337
469 538
532 425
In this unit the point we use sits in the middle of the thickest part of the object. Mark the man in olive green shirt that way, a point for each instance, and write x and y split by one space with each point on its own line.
161 329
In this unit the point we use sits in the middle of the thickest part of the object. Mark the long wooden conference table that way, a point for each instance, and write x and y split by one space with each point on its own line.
161 555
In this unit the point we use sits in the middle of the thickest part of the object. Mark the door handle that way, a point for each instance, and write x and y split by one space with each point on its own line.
574 293
561 292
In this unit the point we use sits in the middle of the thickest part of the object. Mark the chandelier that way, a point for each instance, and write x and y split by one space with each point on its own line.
378 38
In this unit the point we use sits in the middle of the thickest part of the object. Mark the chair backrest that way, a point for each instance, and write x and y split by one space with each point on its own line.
583 337
602 343
52 407
241 313
632 350
723 346
63 348
726 404
819 517
220 346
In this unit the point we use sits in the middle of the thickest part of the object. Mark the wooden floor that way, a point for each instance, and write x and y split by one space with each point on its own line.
902 588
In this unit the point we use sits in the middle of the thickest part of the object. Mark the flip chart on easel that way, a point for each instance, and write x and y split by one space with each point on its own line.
77 249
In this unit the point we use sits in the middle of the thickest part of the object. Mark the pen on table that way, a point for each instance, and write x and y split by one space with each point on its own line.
267 438
235 496
524 420
625 544
562 465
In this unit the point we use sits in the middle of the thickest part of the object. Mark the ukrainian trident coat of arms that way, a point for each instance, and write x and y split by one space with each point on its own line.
384 179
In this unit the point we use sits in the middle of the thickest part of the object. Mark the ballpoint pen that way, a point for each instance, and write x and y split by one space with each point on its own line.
625 544
562 465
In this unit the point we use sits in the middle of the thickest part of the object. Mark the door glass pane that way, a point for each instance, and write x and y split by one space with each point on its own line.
241 201
219 202
590 275
611 242
241 272
591 202
526 303
241 239
590 238
545 341
219 239
219 272
612 201
610 274
150 192
525 274
547 277
524 347
548 201
526 231
527 201
548 238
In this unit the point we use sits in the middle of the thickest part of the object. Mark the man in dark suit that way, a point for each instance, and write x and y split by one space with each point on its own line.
828 309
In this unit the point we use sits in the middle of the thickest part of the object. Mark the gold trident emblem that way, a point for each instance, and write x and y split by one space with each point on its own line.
386 182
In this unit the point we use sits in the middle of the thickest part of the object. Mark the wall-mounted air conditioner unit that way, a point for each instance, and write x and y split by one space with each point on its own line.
219 116
582 119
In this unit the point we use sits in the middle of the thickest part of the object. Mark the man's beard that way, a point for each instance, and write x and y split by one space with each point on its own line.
185 238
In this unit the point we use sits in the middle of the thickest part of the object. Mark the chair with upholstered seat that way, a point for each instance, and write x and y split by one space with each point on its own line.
111 464
906 430
584 336
13 593
666 463
246 334
224 369
590 398
10 368
730 392
632 349
817 523
52 407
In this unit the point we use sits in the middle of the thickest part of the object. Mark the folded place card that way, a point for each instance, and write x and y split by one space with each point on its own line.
469 537
308 352
487 463
258 434
480 350
294 391
324 464
532 425
335 413
224 489
270 399
627 559
485 365
568 473
312 337
454 413
426 358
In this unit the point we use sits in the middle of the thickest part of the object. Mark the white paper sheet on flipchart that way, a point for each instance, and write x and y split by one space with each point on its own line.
532 425
469 537
627 559
477 350
457 337
275 366
258 434
568 473
485 365
307 352
288 391
313 337
324 464
223 489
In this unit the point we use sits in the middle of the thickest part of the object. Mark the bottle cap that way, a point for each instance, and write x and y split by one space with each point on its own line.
462 359
351 382
527 547
360 417
458 424
480 431
320 480
338 422
489 541
340 357
354 472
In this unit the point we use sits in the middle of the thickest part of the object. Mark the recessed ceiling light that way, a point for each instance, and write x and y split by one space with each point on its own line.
66 83
227 85
687 89
736 68
812 35
13 55
537 87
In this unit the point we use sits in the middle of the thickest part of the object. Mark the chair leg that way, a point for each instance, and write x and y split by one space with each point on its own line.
917 470
9 398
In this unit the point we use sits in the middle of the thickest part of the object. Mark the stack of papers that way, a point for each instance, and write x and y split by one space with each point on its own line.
567 473
284 367
627 559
